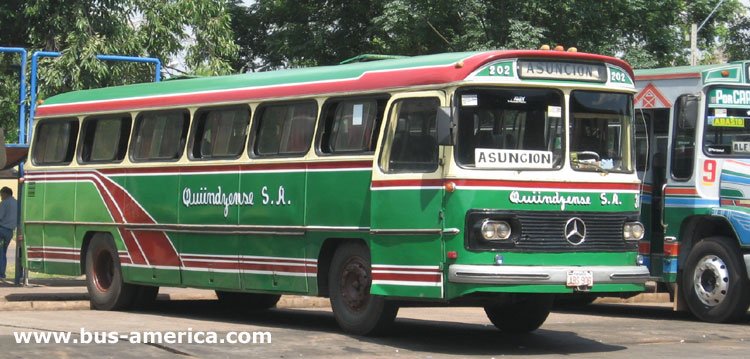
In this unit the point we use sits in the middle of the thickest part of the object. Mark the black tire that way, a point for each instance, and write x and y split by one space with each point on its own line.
248 302
714 281
355 309
526 314
145 296
107 290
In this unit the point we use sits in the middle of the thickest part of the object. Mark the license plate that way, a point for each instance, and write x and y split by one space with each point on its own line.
580 278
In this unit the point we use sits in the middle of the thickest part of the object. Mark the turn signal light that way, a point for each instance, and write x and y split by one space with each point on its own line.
450 186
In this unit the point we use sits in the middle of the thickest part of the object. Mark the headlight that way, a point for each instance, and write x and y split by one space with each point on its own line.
495 230
633 231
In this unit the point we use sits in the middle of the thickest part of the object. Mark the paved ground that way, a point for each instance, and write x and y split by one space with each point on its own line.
614 331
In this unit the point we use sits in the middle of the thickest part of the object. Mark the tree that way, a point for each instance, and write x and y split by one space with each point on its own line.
199 30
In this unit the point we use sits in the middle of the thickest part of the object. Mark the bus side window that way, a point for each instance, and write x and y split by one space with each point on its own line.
285 129
104 139
55 142
159 135
351 126
414 147
219 132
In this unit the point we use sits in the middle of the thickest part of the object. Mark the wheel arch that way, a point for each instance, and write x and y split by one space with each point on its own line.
696 228
87 238
325 256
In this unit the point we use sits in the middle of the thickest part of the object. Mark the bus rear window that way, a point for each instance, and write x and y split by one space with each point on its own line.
55 142
159 135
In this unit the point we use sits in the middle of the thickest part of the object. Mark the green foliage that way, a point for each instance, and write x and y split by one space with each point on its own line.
221 36
199 30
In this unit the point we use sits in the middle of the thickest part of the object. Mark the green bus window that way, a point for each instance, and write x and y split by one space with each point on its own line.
351 126
220 133
104 139
55 142
414 147
159 136
285 129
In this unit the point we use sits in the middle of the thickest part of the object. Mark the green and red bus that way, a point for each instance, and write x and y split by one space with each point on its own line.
495 179
694 153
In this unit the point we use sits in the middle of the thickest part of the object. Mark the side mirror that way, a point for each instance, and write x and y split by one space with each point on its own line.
688 111
444 126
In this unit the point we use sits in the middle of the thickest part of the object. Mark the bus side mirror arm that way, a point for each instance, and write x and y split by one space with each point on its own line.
444 126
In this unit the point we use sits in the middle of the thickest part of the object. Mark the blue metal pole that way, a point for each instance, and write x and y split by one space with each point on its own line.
34 68
22 90
151 60
35 64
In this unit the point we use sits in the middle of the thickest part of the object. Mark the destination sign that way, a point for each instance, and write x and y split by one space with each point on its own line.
556 70
727 122
510 159
729 97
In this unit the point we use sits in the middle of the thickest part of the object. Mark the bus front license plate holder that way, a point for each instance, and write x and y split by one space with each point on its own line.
580 279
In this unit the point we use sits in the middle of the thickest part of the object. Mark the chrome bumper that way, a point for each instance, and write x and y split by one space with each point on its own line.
490 274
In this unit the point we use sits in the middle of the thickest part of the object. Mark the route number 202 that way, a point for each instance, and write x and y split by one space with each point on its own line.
500 70
616 76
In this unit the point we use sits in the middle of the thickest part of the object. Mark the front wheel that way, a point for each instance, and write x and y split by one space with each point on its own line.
355 309
714 281
524 315
107 290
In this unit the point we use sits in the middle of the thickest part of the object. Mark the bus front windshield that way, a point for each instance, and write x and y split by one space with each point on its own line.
510 128
727 129
600 131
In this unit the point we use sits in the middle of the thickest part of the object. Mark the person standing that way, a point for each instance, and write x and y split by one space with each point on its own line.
8 222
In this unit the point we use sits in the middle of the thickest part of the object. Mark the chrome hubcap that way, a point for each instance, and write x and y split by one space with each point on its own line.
711 280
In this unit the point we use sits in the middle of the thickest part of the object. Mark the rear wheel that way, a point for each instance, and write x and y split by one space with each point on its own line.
525 314
248 301
107 290
714 281
355 309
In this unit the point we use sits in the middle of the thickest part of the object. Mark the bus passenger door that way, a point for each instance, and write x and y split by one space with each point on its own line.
407 196
654 178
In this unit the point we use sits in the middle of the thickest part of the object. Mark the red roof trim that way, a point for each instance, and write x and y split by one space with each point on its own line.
687 75
377 79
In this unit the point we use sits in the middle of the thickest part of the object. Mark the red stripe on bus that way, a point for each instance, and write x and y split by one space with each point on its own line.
687 75
247 266
546 184
236 258
681 191
47 255
374 80
431 278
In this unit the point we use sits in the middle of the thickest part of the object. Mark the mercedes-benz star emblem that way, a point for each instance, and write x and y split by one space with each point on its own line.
575 231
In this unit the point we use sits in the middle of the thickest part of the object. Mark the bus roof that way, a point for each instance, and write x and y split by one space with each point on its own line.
362 76
685 72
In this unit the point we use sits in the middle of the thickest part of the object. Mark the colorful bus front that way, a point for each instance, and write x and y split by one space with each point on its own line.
535 191
694 137
496 179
